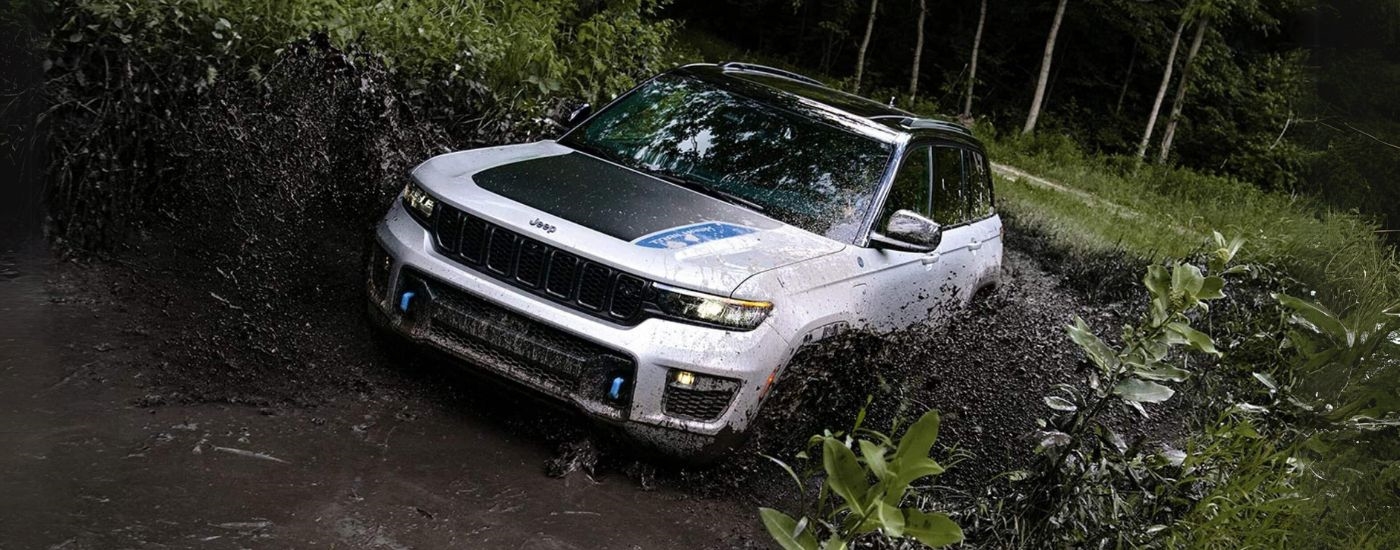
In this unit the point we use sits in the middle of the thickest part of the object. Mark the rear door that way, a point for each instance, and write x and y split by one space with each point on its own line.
985 225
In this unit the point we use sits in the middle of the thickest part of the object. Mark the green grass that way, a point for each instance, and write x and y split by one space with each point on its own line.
1170 212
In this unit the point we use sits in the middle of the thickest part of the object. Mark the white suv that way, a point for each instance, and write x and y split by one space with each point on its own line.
660 264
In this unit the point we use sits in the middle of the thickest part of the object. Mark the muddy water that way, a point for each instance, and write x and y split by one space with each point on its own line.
86 462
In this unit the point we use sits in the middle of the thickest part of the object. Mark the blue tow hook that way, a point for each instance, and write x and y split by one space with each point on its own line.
405 299
616 390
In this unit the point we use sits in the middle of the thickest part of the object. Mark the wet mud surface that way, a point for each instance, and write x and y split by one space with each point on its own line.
118 435
94 454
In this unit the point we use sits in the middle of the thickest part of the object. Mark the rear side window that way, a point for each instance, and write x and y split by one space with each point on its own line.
911 185
949 198
979 185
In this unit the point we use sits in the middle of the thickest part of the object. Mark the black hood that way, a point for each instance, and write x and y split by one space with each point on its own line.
608 198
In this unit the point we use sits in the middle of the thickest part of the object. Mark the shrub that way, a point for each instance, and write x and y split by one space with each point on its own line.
848 506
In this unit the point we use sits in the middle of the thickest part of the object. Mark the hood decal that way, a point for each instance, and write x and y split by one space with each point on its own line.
614 200
681 237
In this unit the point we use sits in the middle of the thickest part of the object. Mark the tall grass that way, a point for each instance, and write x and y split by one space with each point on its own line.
1340 254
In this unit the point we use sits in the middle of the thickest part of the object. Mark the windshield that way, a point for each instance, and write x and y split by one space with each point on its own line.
802 171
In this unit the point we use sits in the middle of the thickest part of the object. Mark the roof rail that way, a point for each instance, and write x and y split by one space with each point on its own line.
756 68
926 123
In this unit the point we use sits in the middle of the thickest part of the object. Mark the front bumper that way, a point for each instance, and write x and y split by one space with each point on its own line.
525 337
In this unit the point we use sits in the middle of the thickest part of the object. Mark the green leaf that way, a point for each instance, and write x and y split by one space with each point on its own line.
1199 340
1162 373
785 531
1134 389
790 472
1187 278
1157 281
874 456
1316 318
891 519
1212 288
908 473
918 439
843 474
1051 439
1098 352
1060 404
935 530
1267 381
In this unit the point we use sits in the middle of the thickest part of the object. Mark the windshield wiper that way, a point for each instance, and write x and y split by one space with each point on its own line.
706 189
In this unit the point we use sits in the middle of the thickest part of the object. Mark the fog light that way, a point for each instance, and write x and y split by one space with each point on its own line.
685 378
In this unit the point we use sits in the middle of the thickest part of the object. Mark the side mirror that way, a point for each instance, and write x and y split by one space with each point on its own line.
578 115
909 231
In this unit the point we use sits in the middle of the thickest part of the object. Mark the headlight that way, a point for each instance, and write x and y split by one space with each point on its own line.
709 309
420 204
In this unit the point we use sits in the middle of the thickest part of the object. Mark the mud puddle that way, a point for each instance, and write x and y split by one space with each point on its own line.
88 462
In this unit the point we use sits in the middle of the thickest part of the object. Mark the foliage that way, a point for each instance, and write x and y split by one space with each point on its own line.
848 506
1336 352
119 75
1091 484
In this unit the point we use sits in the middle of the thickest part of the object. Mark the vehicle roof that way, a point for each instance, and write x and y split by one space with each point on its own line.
777 83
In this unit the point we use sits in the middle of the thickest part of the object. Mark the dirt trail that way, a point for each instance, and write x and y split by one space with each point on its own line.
1016 174
86 462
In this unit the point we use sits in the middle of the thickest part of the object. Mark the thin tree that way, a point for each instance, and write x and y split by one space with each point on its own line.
972 66
1044 69
918 52
1162 89
865 42
1181 86
1127 78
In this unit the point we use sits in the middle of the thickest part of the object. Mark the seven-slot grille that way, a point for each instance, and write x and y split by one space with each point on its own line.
529 264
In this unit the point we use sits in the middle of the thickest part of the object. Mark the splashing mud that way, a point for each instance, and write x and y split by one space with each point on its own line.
986 369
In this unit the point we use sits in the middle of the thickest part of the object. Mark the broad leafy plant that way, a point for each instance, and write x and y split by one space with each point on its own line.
1089 473
1350 363
862 495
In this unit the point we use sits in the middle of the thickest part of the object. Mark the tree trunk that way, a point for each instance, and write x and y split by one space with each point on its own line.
972 66
1127 78
865 43
1180 100
918 52
1044 69
1162 89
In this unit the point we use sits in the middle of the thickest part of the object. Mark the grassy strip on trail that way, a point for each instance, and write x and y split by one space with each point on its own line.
1168 212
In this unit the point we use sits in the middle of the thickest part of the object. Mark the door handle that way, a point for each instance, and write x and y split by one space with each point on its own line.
930 258
974 245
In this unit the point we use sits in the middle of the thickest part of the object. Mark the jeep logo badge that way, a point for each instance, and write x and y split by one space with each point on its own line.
544 226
